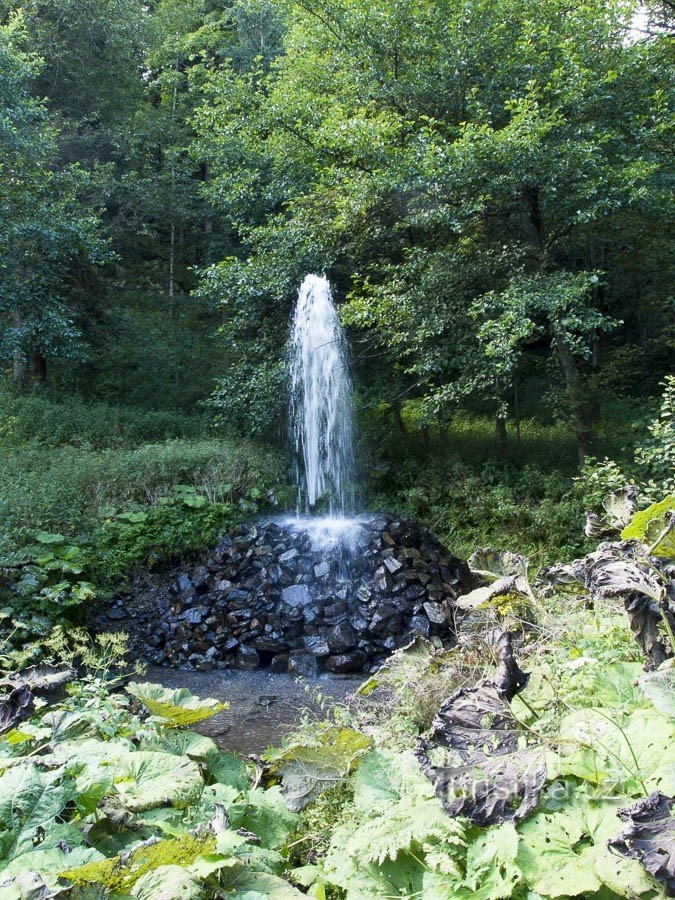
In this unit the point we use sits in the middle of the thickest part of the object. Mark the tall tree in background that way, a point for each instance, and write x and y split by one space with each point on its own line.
48 236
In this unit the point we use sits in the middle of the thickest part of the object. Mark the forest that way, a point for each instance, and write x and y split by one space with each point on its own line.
483 190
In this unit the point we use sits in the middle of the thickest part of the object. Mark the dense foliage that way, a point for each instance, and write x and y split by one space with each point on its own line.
488 186
107 791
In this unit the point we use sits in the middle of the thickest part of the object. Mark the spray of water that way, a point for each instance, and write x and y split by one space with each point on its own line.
321 404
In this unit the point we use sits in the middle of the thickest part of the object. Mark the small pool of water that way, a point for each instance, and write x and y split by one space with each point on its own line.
263 706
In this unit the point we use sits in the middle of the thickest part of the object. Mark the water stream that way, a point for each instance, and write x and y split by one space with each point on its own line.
264 707
321 413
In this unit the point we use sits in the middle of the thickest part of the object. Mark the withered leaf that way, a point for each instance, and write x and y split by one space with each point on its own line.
476 754
650 837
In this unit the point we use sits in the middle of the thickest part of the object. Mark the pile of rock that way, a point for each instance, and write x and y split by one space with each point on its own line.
269 596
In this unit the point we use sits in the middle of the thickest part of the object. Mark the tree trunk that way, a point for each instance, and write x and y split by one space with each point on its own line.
583 428
500 434
19 361
20 370
38 368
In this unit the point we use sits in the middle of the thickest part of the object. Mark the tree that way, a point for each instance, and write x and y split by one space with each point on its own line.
448 196
46 233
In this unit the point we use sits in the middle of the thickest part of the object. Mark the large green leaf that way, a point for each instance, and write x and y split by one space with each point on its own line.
265 814
148 778
249 885
309 769
177 705
636 752
30 802
565 853
183 743
654 527
167 883
660 688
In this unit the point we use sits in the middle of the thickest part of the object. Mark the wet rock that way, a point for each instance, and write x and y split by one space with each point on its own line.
194 616
265 593
247 658
302 663
279 664
296 596
341 638
435 613
183 583
420 624
316 644
346 662
322 569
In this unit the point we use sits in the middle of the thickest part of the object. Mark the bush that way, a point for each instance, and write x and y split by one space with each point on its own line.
38 419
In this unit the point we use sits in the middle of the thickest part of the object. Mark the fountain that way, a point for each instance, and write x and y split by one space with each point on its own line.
334 592
321 414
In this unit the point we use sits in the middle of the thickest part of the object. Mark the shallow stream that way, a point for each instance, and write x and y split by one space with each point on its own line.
263 706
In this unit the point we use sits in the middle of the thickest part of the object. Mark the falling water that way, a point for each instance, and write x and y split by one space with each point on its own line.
321 399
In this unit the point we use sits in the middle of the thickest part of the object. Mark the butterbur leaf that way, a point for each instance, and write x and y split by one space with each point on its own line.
167 883
565 853
649 836
660 688
15 706
494 564
614 577
620 506
307 770
147 779
183 743
264 814
476 754
506 594
177 705
30 801
655 527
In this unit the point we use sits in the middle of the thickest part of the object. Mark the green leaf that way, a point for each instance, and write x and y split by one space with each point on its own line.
495 564
147 779
198 747
565 853
46 537
177 705
262 886
167 883
654 527
660 688
30 801
633 751
505 594
309 769
265 814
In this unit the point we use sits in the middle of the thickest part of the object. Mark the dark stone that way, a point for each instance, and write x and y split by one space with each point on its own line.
194 616
296 595
316 644
247 658
279 664
322 569
116 614
420 624
183 583
302 663
341 638
384 614
288 555
436 613
312 612
272 641
237 595
346 662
